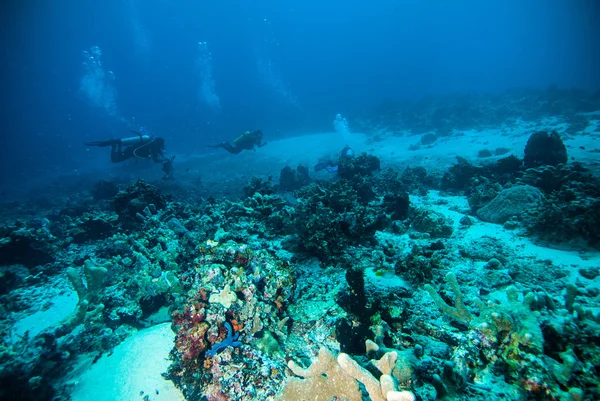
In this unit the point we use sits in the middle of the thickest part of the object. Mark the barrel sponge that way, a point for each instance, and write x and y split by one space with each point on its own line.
511 202
544 149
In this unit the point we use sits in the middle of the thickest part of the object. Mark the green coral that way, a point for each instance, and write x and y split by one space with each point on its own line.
269 345
510 324
458 312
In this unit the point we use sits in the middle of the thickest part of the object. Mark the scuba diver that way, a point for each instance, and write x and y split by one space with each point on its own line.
332 166
249 140
141 147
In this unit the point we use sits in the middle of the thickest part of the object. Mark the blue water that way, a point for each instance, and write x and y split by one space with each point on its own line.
284 67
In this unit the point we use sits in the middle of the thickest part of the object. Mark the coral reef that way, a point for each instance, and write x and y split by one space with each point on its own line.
29 246
291 180
236 295
360 166
572 212
261 186
394 278
514 336
333 216
136 199
444 115
431 223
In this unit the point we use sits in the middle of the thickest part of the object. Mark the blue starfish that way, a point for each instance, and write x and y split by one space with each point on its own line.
230 340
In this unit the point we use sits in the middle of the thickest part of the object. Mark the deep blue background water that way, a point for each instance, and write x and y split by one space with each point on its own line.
326 57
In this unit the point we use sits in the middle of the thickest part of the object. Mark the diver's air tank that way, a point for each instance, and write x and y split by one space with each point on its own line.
135 140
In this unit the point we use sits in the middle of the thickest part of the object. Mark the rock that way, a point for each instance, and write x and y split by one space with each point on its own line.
590 272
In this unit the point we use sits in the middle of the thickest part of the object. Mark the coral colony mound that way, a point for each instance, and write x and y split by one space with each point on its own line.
450 256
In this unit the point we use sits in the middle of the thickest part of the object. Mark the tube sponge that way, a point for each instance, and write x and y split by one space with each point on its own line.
94 280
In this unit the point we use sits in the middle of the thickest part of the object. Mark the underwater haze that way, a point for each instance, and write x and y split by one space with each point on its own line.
284 67
266 200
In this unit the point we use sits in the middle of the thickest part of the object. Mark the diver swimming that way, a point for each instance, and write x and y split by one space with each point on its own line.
141 146
249 140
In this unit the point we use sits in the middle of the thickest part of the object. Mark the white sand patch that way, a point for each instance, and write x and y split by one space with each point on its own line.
134 366
62 306
512 241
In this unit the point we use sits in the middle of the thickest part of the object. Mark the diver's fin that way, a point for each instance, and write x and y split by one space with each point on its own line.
101 143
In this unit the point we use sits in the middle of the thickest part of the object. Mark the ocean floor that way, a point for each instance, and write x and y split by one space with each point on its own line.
132 370
485 257
134 367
